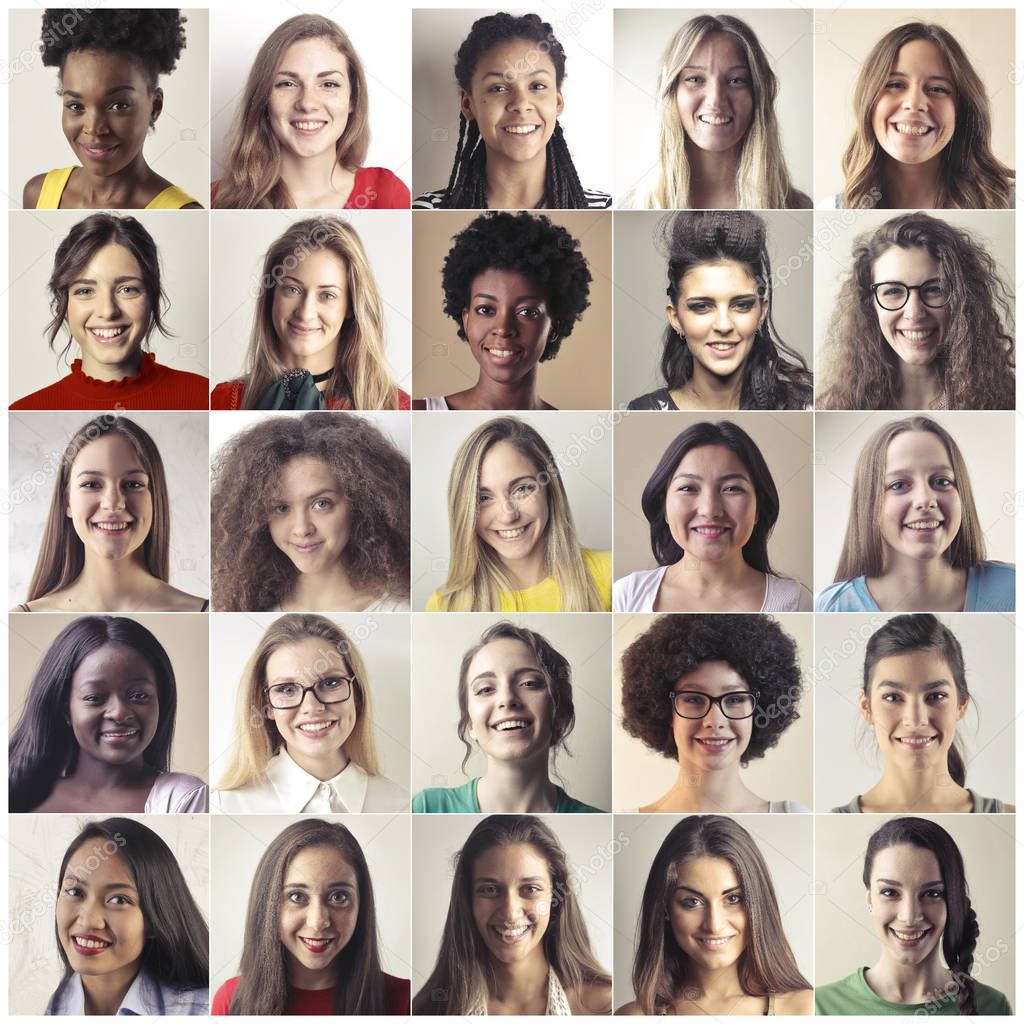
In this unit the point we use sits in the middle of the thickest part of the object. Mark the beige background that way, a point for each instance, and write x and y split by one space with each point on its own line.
577 378
844 936
784 773
984 438
641 277
785 841
240 841
179 150
440 642
640 39
784 439
848 761
844 38
36 846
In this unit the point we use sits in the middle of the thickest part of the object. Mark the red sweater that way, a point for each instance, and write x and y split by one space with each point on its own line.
228 395
375 188
319 1002
154 387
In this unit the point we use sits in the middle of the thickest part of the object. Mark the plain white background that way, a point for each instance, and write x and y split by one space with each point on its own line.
439 643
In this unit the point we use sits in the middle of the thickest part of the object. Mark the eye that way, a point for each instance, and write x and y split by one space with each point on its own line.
532 890
296 897
891 698
743 305
734 898
498 87
82 292
529 313
694 79
538 86
279 510
121 106
686 488
889 893
323 504
739 80
484 310
484 690
699 307
534 683
130 290
330 83
482 499
735 700
73 891
284 83
289 289
340 897
332 684
119 900
487 889
734 489
938 697
944 482
694 699
897 486
940 90
524 490
328 296
140 697
74 106
689 902
134 485
934 894
894 84
285 690
93 699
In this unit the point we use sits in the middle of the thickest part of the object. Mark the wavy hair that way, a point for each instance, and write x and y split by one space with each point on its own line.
974 366
971 177
257 739
463 976
62 553
476 577
252 172
250 573
863 552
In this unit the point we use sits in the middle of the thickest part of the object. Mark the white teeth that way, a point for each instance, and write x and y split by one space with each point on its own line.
111 527
715 743
315 727
709 531
908 936
511 534
521 129
308 126
123 732
91 943
723 346
911 129
916 741
107 332
924 524
511 933
517 724
917 335
708 119
501 353
716 942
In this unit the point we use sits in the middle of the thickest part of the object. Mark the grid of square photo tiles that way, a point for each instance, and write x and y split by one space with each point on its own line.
579 605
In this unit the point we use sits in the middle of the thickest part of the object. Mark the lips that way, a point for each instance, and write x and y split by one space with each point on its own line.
307 127
89 945
513 534
709 532
509 935
303 331
318 729
715 745
124 736
306 549
714 120
912 129
111 527
502 356
916 742
317 944
113 335
909 938
98 152
925 526
505 725
716 943
520 129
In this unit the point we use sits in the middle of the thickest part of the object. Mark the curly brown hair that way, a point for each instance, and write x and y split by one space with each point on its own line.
754 646
250 573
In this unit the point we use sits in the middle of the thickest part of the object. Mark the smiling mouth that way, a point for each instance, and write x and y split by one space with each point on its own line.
109 335
97 152
308 127
513 534
715 745
712 121
502 355
717 943
711 532
916 742
909 939
912 129
299 329
111 526
521 129
119 735
316 729
510 936
89 945
307 549
923 525
316 945
512 725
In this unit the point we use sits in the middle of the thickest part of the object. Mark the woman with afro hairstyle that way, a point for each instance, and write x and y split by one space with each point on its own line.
923 321
511 152
720 292
515 284
109 63
310 513
713 693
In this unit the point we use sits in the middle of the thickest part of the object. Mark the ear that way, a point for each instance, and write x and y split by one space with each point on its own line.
158 104
673 319
865 707
764 312
962 709
466 105
561 104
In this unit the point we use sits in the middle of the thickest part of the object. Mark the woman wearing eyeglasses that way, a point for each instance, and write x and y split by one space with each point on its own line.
712 692
924 321
303 728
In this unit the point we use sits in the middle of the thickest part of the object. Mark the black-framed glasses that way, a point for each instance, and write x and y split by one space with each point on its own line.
694 704
332 690
893 295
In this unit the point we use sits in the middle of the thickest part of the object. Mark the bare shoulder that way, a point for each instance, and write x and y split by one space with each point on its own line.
795 1004
594 998
30 193
1009 808
629 1010
179 601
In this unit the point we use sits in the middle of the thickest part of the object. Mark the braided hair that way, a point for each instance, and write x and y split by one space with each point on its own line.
467 185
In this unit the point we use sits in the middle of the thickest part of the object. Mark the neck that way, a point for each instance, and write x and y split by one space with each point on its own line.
109 585
308 175
912 186
112 371
321 362
716 792
908 983
522 982
96 775
526 572
700 578
919 386
515 185
324 768
921 585
104 993
113 190
519 394
709 391
312 980
517 787
920 790
712 176
718 984
330 590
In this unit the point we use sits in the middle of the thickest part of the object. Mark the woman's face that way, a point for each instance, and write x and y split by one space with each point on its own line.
913 707
108 106
109 313
309 308
718 314
310 99
319 911
514 100
310 520
114 705
715 94
512 895
907 902
507 324
921 510
109 501
512 504
708 914
915 332
508 700
100 924
714 743
710 504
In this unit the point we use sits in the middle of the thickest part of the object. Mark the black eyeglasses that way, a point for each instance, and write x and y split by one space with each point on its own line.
893 295
334 690
694 704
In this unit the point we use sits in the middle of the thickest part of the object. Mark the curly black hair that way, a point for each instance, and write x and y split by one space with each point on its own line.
754 646
530 245
155 38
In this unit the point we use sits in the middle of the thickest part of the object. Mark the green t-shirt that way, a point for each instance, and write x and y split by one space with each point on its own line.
853 995
462 800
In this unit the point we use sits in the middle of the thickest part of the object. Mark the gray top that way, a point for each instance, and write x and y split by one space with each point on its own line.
980 805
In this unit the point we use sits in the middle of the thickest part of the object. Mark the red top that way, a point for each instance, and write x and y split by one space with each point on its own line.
319 1002
228 395
375 188
154 387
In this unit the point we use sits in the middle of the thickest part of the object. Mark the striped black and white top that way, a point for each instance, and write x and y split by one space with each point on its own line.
432 200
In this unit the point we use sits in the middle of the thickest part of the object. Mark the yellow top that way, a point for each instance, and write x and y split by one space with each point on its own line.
546 595
172 197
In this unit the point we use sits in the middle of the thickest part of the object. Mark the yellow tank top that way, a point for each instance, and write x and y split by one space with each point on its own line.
172 197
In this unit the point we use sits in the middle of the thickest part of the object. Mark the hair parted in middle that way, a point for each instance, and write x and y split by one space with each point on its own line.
463 976
754 646
257 739
263 988
863 552
250 573
660 968
252 173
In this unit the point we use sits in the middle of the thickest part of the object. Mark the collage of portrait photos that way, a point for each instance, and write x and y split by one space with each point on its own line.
511 511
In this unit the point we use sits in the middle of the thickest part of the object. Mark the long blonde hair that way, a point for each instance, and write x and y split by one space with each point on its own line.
252 174
361 378
762 179
476 577
256 737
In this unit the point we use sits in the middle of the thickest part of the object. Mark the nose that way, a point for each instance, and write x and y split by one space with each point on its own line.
106 304
509 510
504 323
519 96
317 917
910 908
723 322
302 522
513 908
914 712
714 93
90 915
710 503
915 97
915 308
507 696
715 716
317 703
113 499
96 123
923 495
712 917
307 307
119 709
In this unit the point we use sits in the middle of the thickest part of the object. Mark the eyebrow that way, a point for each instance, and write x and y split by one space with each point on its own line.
925 885
695 476
494 298
501 74
934 685
327 885
321 74
308 497
703 67
317 678
941 467
511 483
697 892
112 89
117 280
928 78
732 298
515 672
302 284
134 681
498 881
69 877
99 472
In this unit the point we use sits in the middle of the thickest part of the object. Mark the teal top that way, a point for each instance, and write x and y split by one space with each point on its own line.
462 800
853 995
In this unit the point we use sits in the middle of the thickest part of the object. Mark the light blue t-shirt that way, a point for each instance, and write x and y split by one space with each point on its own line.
462 800
991 587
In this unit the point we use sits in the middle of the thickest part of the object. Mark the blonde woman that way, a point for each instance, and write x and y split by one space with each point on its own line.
303 128
513 540
317 338
718 144
304 728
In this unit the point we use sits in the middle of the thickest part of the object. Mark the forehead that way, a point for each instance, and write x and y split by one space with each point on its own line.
718 51
511 862
506 654
317 267
505 284
309 658
95 864
921 57
303 475
316 865
911 266
503 463
916 448
912 668
113 663
907 864
713 678
109 262
87 71
314 55
707 874
710 461
110 450
514 58
729 277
